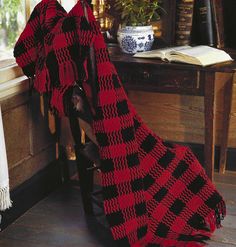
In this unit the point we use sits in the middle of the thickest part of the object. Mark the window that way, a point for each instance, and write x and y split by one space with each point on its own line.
67 5
13 15
33 3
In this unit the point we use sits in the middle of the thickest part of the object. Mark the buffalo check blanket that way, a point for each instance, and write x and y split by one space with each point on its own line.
155 193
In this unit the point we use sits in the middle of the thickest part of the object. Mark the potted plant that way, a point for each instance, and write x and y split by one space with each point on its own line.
136 33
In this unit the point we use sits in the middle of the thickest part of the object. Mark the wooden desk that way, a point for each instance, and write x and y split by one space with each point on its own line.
154 75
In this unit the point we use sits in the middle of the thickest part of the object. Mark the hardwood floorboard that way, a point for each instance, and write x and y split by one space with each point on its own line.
218 244
59 221
18 243
225 235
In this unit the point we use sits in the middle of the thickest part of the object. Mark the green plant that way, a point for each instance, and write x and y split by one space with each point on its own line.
138 12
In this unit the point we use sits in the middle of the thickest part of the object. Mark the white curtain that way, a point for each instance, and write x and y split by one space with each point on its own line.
5 201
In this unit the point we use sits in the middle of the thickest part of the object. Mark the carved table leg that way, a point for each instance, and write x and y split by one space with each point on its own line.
228 93
209 110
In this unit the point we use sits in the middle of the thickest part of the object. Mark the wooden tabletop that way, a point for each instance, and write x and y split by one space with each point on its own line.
117 56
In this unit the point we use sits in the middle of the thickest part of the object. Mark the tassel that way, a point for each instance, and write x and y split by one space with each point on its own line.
57 150
68 74
5 201
211 221
41 81
201 238
207 226
42 105
83 137
57 100
214 219
220 213
51 122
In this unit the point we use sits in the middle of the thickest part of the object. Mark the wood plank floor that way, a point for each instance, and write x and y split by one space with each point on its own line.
59 221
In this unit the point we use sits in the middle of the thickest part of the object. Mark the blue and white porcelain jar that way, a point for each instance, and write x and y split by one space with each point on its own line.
135 39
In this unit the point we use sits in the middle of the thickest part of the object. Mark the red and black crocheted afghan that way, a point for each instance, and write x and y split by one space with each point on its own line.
155 194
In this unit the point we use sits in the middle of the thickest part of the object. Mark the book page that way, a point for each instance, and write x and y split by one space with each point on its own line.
160 53
200 55
196 51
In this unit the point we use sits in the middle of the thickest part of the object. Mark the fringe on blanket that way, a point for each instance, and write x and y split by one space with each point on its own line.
5 201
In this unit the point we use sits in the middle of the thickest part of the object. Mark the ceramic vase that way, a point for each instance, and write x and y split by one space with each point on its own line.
135 39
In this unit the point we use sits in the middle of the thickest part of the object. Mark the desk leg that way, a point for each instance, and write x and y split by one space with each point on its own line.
228 93
209 111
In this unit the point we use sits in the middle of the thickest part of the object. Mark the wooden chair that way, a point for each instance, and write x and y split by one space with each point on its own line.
85 164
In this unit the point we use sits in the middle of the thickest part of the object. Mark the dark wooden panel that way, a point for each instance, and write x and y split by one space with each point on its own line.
168 21
138 76
229 8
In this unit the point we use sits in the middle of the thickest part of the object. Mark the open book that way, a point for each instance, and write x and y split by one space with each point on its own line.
198 55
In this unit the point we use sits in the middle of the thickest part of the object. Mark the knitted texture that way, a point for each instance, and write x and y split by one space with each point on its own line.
53 49
155 193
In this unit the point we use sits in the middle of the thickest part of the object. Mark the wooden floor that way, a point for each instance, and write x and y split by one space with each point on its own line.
59 221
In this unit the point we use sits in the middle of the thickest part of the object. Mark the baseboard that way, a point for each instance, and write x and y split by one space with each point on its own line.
31 192
198 150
